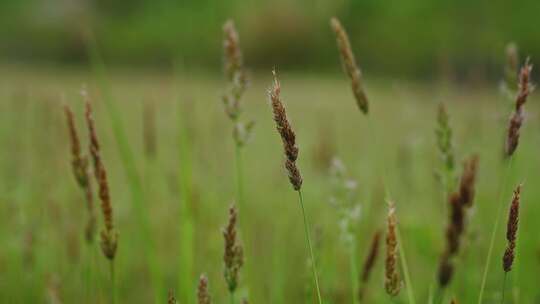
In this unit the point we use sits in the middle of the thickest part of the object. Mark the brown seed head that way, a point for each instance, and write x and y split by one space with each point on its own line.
511 230
392 279
233 256
287 134
371 258
79 165
516 120
444 137
203 295
446 270
349 65
468 180
109 237
234 70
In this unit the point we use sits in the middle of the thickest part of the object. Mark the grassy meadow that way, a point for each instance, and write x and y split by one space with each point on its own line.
170 158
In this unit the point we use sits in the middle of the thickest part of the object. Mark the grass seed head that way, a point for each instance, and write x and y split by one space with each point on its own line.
233 256
392 280
203 294
234 70
444 138
371 258
349 65
468 180
80 168
516 120
511 230
288 137
109 237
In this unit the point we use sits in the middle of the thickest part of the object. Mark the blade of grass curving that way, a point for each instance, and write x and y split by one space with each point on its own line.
129 165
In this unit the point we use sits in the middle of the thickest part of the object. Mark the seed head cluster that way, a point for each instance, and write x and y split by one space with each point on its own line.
392 280
511 230
233 256
203 294
516 120
287 134
238 81
109 237
349 65
444 138
369 263
80 168
458 201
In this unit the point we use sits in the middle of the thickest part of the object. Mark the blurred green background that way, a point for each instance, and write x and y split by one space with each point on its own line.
419 38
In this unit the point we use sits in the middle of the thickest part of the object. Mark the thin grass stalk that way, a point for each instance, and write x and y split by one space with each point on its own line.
354 272
500 208
187 227
239 176
128 161
310 247
113 284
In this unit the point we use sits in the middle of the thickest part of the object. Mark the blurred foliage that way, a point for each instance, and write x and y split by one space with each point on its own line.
417 37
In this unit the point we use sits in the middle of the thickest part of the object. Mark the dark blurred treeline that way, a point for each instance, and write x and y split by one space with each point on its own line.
412 38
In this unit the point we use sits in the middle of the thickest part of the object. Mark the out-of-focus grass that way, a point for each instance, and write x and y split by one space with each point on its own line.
41 207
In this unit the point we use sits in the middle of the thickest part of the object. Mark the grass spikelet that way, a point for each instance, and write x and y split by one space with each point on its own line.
511 230
516 120
371 258
233 256
369 263
392 280
468 180
79 165
288 137
458 201
236 75
443 134
349 65
203 294
108 235
287 134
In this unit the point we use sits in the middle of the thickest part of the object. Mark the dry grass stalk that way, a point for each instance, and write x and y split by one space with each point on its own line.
109 237
516 120
287 134
203 295
79 164
349 65
233 256
459 202
511 230
392 280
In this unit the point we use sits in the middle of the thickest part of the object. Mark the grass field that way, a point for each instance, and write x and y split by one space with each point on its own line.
190 176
